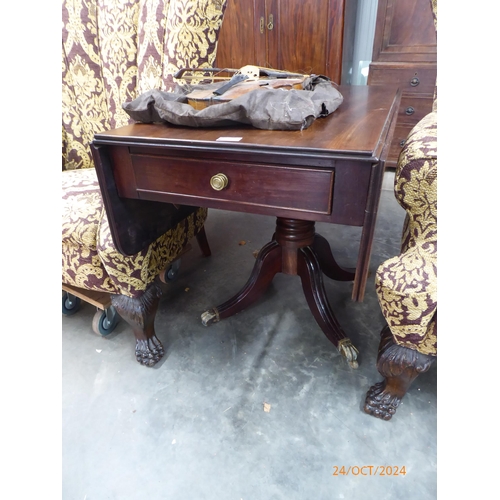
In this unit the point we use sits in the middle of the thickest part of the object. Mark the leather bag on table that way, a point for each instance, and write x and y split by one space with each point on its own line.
268 109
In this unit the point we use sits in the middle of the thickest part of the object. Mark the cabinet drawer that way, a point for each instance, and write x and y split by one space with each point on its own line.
400 134
251 185
413 108
414 78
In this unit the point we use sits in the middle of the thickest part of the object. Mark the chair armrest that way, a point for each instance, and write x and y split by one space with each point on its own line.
406 288
415 185
406 285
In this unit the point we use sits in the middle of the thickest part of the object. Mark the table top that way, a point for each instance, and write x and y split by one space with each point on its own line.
358 128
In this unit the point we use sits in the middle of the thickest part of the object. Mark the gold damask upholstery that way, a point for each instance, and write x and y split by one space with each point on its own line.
90 259
112 51
406 285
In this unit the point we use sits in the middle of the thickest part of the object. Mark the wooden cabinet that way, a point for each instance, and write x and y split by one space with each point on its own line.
404 55
294 35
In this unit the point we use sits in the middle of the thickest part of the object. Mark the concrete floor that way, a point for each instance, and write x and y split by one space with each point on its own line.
194 426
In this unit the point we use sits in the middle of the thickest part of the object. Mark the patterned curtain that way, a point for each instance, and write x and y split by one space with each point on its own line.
114 50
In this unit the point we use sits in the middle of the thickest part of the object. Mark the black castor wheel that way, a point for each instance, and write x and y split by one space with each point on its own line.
70 304
104 322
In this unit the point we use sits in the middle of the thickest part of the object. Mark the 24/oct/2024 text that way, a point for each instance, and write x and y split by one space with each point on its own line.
369 470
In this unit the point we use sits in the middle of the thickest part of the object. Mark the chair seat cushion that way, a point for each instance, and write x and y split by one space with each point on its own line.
90 259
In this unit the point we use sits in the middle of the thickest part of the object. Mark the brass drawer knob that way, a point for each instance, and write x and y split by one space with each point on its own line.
410 110
219 182
414 82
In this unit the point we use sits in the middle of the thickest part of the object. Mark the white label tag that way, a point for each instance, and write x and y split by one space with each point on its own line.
229 139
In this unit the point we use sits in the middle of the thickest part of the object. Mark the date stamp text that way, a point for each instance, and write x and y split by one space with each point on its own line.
369 470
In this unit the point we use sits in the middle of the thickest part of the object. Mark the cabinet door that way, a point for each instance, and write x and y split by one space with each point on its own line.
405 32
306 36
242 39
303 36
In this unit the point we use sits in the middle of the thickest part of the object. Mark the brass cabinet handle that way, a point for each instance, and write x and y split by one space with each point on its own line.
270 24
219 182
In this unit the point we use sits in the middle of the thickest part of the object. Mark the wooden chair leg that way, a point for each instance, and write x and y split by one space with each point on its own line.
201 237
399 366
140 314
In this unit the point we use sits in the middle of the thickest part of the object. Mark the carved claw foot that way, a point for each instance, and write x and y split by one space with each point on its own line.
381 403
140 314
350 353
149 351
399 366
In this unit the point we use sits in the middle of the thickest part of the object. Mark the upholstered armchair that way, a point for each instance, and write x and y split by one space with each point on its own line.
406 285
111 53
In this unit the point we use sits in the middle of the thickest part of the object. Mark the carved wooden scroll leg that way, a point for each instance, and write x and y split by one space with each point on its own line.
201 237
266 266
399 366
327 261
310 273
140 315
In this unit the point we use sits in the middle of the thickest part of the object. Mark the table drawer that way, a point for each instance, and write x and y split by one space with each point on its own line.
414 79
190 182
